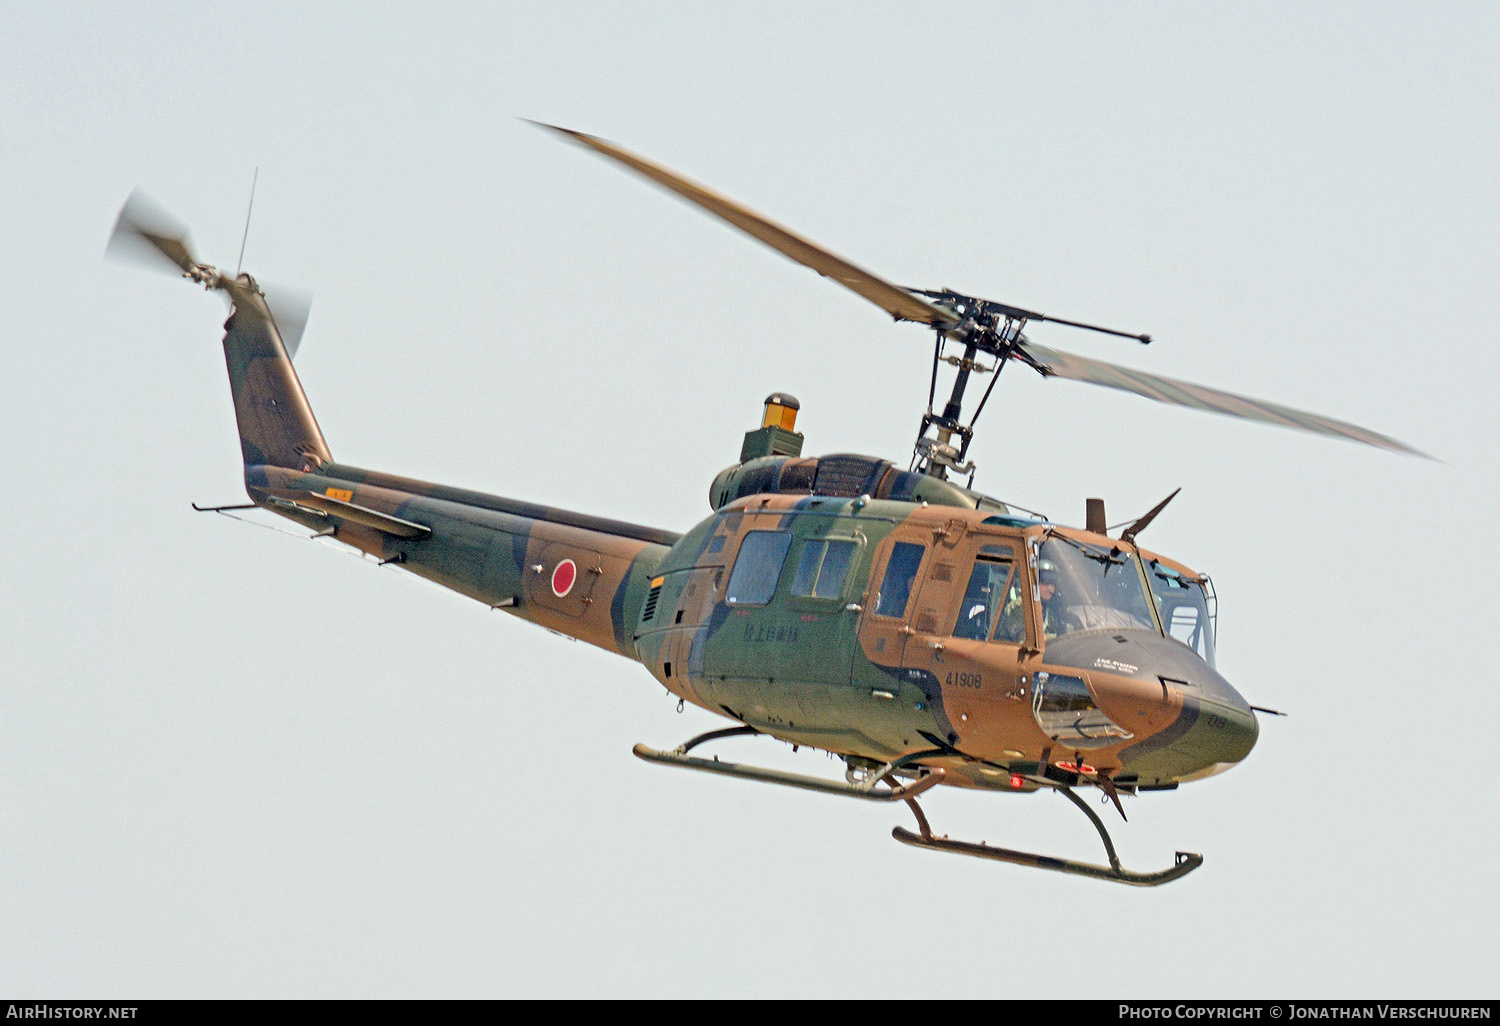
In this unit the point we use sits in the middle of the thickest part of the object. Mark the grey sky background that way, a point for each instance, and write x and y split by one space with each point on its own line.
237 764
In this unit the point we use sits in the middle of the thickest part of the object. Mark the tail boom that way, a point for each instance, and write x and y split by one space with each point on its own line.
572 573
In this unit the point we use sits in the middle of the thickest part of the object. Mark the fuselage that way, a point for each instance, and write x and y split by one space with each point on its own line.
869 627
874 628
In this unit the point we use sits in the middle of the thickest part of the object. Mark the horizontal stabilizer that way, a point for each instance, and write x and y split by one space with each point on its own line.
338 509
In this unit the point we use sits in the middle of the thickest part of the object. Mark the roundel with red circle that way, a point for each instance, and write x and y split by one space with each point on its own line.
563 577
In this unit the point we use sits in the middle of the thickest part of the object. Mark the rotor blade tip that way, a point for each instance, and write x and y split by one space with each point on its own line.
570 133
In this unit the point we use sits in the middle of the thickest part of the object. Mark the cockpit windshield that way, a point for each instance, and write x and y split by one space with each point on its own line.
1183 604
1082 587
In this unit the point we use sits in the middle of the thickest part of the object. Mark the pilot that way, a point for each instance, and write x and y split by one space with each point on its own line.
1055 617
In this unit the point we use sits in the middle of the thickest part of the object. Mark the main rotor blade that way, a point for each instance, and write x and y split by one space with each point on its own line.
146 232
894 300
1180 393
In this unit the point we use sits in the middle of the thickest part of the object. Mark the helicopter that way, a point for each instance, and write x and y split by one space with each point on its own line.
922 632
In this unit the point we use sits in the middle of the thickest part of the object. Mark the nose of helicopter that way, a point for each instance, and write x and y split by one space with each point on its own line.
1220 736
1189 722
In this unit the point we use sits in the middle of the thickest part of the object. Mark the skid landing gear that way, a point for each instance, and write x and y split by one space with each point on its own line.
868 788
881 784
1114 872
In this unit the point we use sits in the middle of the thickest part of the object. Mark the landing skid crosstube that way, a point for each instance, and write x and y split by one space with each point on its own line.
870 788
1114 872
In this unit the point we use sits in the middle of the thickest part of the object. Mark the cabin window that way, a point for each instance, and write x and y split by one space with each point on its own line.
822 569
991 608
900 574
757 568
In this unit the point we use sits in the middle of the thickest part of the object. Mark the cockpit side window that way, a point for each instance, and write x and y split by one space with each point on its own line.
991 607
757 568
1183 604
900 573
1010 626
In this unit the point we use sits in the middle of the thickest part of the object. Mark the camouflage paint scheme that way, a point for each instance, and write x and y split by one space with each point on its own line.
827 672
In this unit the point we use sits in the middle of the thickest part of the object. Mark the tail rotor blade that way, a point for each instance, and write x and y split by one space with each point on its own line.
146 233
289 308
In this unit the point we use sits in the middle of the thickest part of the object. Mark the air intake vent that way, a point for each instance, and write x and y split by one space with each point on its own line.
651 597
797 477
848 476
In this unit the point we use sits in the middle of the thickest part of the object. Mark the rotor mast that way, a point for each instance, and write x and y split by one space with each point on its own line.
980 326
945 447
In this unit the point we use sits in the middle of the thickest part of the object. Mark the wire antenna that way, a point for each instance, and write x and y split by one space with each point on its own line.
248 211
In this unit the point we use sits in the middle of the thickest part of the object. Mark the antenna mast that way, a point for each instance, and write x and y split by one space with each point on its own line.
248 211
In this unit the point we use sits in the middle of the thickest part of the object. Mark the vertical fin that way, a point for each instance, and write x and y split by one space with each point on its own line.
276 423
